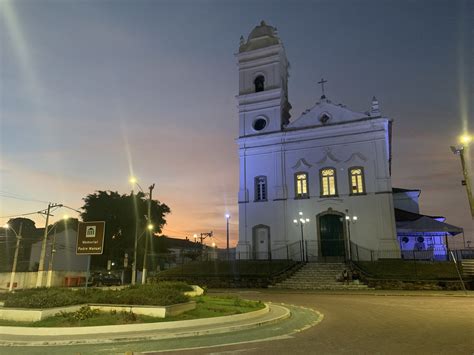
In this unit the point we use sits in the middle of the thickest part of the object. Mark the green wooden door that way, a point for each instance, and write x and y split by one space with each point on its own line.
331 233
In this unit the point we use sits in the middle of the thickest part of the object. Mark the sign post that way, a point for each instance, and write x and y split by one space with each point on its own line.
90 241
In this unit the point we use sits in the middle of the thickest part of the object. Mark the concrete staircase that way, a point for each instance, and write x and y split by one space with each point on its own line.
468 267
319 276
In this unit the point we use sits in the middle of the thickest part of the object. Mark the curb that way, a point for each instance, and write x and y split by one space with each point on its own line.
157 331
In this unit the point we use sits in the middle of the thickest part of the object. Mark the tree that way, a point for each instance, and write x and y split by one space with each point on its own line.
121 218
29 233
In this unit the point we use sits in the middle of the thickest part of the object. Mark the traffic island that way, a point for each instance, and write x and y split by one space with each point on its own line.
29 336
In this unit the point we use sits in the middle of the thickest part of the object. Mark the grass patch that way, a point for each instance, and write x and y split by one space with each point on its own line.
206 307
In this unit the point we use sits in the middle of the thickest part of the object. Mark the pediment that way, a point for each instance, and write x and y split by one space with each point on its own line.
325 113
356 157
301 163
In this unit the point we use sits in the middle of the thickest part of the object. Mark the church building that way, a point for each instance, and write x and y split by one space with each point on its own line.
315 186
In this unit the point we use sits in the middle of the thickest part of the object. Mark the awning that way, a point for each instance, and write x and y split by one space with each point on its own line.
426 224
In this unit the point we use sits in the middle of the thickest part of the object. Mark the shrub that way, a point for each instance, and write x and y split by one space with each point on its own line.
162 294
83 313
43 298
175 285
129 317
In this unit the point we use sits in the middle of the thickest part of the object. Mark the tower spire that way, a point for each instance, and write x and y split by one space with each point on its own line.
375 109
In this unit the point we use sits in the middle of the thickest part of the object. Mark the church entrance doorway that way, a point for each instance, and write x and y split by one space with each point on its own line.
261 242
331 237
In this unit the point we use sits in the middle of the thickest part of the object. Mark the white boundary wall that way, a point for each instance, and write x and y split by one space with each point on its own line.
28 279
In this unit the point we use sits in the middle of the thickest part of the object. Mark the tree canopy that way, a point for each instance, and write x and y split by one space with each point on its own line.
29 233
123 214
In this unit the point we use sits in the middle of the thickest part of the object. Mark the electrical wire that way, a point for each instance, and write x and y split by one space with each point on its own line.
19 197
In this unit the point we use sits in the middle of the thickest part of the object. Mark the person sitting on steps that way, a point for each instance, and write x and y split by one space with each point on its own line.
345 276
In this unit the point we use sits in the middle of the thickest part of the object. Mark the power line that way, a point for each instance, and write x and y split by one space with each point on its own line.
19 197
21 215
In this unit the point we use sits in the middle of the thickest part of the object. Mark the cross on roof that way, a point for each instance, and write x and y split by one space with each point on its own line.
322 82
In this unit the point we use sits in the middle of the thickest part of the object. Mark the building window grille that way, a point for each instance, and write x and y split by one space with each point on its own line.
261 188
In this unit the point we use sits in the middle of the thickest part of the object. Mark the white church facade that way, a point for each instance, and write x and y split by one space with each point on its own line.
313 186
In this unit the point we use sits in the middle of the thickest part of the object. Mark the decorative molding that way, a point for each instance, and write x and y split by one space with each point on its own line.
354 156
328 155
330 199
300 162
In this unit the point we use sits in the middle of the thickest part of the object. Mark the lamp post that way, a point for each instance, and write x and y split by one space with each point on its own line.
149 228
301 221
149 232
15 258
133 181
227 217
465 140
350 219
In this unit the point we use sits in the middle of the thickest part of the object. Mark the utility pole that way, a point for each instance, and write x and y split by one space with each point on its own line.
147 234
15 259
39 278
227 216
134 264
467 180
51 256
204 236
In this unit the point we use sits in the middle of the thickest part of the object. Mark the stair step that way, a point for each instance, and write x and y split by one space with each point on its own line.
319 276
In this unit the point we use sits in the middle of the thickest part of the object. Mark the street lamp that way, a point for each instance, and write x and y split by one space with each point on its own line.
227 217
465 140
15 258
133 180
350 219
301 221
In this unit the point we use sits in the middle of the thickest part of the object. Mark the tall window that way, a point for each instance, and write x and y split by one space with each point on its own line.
328 182
356 176
301 183
259 83
261 188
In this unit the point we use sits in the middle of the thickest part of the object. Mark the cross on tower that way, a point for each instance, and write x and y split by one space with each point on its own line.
322 82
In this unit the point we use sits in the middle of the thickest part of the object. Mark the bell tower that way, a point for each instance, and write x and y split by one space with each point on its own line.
263 82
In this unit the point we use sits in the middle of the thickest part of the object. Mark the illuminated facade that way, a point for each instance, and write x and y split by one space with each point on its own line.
328 163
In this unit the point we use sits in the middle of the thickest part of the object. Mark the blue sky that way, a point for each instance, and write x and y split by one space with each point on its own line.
90 90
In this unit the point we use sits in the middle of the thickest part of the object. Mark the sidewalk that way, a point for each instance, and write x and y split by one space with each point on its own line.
23 336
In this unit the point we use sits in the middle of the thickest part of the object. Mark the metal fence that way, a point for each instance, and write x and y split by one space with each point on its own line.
359 253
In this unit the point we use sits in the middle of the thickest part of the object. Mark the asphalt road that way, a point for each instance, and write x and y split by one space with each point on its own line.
369 324
352 323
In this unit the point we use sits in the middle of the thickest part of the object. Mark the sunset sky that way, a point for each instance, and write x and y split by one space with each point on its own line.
92 92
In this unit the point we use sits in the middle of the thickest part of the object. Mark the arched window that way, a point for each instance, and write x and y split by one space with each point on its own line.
261 188
328 182
301 185
356 176
259 83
